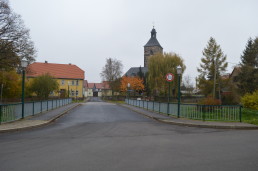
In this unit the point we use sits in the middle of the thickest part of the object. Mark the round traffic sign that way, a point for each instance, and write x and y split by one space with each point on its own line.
169 77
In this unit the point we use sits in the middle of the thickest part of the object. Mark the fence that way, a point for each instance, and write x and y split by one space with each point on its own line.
12 112
192 111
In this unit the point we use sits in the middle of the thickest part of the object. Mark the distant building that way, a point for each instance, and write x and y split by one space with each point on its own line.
85 88
233 77
98 89
152 47
134 71
69 77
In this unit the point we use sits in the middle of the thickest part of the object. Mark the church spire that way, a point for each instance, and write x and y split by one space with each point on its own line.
153 32
153 40
152 47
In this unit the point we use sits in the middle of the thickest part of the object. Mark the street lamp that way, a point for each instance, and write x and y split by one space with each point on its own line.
179 72
128 93
24 64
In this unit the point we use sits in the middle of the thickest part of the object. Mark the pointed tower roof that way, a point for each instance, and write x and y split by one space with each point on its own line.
153 40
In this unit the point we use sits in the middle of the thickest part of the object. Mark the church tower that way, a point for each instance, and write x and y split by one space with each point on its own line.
152 47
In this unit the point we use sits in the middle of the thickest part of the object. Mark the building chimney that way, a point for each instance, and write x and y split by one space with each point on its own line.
45 62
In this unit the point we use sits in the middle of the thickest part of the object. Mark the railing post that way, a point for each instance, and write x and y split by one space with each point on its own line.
1 114
203 112
147 105
168 109
52 104
159 107
33 108
47 105
41 106
153 106
240 114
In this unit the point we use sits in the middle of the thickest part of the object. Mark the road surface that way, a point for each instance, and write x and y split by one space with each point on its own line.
104 136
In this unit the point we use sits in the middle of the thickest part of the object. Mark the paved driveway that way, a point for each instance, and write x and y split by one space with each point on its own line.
104 136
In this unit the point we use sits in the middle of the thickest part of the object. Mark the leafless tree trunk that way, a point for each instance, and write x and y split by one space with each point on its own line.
111 71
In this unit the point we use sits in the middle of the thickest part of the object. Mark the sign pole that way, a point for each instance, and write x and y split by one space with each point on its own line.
168 92
169 77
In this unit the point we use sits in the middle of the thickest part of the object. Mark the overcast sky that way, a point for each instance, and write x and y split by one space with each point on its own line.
86 32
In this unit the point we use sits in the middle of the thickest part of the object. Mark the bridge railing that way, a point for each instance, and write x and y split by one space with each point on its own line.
12 112
192 111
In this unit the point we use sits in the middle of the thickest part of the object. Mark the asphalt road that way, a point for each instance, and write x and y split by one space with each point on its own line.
103 136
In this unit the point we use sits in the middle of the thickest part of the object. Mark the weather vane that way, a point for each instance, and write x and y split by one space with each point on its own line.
153 23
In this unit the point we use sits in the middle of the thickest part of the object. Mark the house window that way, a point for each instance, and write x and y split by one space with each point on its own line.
77 92
73 82
77 82
62 82
72 93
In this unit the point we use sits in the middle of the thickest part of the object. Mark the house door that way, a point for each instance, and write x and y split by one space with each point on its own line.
95 94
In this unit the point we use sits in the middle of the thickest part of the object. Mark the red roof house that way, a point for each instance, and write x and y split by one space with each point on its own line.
62 71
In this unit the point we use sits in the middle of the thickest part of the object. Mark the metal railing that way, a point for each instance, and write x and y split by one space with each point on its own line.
12 112
192 111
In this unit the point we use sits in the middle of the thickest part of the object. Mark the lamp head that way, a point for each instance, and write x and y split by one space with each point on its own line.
179 70
24 63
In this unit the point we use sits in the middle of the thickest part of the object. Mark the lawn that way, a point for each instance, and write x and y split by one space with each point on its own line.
250 116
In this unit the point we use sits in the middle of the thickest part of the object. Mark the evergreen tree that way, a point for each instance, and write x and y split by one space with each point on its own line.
142 76
248 76
140 73
212 66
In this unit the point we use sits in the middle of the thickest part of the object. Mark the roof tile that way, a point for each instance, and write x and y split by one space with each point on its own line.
68 71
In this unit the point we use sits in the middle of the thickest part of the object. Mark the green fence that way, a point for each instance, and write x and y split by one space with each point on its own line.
12 112
192 111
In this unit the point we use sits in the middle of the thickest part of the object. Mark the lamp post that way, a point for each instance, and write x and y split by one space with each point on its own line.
24 64
179 72
128 92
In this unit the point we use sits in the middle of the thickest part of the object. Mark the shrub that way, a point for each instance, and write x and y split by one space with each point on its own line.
210 101
250 100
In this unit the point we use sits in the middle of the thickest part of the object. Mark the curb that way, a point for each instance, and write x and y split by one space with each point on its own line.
208 126
42 124
192 124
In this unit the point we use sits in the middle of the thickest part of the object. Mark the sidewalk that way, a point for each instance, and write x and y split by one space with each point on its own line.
37 120
188 122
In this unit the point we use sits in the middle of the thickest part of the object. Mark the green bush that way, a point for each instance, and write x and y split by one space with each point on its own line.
250 100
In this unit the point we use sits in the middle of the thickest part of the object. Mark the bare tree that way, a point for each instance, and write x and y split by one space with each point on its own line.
111 72
187 82
15 42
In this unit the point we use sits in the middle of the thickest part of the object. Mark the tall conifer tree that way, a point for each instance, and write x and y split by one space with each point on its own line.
213 64
248 76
